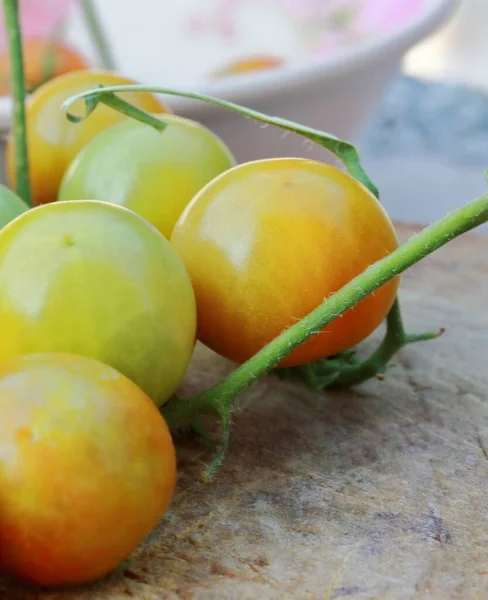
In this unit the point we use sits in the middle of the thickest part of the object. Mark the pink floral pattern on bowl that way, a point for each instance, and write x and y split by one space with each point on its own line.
324 25
39 18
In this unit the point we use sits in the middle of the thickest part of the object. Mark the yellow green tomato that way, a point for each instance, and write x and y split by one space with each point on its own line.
154 174
11 206
97 280
88 468
52 140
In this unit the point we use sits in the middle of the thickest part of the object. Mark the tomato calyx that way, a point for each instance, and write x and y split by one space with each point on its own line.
345 370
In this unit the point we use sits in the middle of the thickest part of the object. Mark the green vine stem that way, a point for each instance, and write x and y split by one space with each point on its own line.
48 59
342 370
98 35
345 151
11 12
395 339
346 369
219 399
321 373
470 216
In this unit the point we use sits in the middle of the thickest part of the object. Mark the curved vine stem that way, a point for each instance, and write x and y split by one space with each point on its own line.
341 370
345 151
322 373
11 12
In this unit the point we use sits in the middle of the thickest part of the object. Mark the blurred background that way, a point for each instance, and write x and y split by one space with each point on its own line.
436 123
458 53
363 69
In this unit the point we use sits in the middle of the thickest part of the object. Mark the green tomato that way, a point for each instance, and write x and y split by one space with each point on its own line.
11 206
154 174
97 280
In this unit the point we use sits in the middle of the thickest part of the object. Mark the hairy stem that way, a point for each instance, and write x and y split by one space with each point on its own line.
341 370
393 341
221 396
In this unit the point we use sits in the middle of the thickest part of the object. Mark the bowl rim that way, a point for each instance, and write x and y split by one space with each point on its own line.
262 84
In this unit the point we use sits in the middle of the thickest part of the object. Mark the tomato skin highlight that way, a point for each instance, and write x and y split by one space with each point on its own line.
266 242
52 140
97 280
153 173
88 468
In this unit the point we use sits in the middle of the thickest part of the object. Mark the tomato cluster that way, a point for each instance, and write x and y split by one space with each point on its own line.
142 243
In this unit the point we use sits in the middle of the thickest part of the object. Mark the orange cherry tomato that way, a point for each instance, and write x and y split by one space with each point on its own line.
266 242
43 60
88 468
53 141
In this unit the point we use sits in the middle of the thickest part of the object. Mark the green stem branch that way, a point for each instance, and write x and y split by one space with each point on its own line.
342 370
394 339
98 35
11 12
322 373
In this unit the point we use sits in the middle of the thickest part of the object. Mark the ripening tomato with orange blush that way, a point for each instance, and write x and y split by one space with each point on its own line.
266 242
88 468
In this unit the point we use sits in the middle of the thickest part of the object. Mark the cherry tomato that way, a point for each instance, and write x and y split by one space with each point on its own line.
154 174
249 64
43 60
11 206
95 279
267 241
53 141
88 468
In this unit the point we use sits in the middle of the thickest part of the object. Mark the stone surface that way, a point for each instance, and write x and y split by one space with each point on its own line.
426 148
374 493
425 117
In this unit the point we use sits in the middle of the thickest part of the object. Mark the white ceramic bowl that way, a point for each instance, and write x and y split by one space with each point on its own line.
336 92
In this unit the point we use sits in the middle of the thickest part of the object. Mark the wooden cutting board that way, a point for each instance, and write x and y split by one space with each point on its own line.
375 493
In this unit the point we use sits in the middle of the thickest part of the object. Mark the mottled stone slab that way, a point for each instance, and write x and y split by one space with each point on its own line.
377 492
440 119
